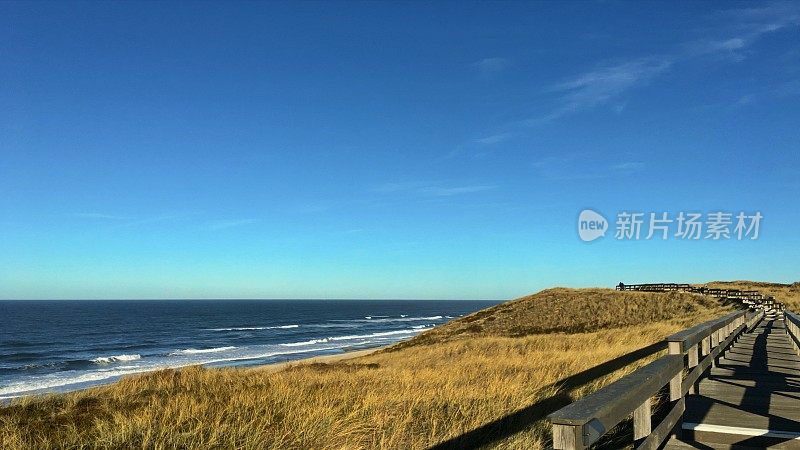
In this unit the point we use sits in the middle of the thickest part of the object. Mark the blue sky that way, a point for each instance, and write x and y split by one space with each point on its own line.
378 150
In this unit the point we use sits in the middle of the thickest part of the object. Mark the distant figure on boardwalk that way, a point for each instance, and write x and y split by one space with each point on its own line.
621 286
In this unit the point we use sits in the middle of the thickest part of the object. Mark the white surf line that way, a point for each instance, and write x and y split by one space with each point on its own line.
793 435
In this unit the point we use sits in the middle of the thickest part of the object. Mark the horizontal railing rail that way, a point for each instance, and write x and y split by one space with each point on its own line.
792 323
584 422
746 296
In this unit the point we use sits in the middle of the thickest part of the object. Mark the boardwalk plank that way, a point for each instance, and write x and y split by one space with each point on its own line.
751 399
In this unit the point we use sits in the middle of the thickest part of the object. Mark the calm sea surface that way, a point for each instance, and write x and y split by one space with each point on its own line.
64 345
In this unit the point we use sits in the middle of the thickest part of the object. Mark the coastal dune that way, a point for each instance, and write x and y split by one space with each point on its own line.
488 378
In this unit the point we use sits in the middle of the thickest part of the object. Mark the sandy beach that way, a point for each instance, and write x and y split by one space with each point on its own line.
274 367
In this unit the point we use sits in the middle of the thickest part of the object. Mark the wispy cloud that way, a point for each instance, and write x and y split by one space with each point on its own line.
604 84
749 25
404 186
628 166
224 224
431 189
455 190
101 216
153 219
767 17
577 167
314 207
487 67
494 139
608 83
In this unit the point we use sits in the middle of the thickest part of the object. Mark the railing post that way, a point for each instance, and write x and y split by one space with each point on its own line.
714 343
567 437
675 391
642 425
693 361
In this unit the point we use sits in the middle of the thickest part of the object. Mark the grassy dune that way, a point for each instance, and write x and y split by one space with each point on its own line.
499 371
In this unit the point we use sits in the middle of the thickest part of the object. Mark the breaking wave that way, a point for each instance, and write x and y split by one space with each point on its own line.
116 358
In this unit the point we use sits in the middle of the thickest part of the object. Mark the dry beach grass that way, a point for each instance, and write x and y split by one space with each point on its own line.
466 375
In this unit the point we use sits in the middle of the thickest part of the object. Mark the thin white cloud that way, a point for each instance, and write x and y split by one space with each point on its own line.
607 84
313 207
494 139
126 221
224 224
582 167
604 84
766 17
456 190
400 187
103 216
487 67
628 166
151 220
430 189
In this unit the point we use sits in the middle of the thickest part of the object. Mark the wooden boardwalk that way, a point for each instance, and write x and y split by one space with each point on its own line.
729 383
751 399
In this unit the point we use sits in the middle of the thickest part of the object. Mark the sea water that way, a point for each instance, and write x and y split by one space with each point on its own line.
63 345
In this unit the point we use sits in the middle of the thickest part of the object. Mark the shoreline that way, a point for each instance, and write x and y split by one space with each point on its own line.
269 367
278 366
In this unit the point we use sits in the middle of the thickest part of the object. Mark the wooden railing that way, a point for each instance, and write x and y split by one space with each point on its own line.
792 323
691 352
747 297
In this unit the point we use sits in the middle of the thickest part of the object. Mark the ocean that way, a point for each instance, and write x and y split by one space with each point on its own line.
58 346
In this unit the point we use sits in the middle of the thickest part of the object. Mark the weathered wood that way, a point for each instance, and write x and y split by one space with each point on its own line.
663 430
602 410
792 324
676 387
692 336
751 398
735 294
582 423
693 357
689 383
642 416
567 437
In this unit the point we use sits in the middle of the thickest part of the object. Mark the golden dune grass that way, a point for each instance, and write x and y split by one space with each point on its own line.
409 397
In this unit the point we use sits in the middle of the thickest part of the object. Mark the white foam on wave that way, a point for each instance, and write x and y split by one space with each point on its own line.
334 325
351 337
403 319
278 327
300 344
194 351
62 380
51 381
372 335
116 358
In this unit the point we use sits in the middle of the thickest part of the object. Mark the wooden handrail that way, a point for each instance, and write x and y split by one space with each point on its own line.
684 340
583 422
747 296
792 323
